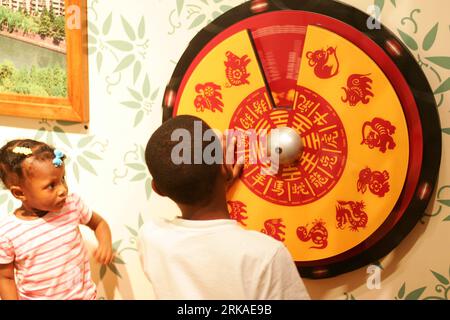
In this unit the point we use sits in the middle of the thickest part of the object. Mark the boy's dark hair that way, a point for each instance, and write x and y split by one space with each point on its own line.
11 162
183 183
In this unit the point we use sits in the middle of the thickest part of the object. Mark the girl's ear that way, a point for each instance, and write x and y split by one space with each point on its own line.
17 192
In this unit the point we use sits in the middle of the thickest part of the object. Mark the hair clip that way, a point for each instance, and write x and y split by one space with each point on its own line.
22 150
57 162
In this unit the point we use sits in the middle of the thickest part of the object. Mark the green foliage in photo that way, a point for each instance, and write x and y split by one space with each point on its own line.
47 24
50 81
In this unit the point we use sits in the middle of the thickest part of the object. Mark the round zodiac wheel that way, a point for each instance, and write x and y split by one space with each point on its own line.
367 119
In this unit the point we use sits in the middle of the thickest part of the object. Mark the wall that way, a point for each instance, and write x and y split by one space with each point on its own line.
134 46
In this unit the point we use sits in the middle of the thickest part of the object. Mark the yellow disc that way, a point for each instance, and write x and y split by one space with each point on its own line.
345 106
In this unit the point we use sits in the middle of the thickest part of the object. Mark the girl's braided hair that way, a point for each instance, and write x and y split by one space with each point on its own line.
12 156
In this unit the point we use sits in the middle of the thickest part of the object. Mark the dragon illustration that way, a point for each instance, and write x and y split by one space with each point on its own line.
351 212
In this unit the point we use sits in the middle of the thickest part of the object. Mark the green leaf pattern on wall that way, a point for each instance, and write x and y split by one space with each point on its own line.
133 236
195 14
141 100
380 3
349 296
131 245
130 51
134 48
112 266
434 66
6 202
80 155
441 289
442 201
426 44
135 169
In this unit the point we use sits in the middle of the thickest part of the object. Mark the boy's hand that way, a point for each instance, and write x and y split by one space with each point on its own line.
104 253
234 169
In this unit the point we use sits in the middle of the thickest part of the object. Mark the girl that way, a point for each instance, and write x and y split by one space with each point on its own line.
42 254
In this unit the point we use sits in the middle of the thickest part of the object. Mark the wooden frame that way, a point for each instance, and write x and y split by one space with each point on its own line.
76 106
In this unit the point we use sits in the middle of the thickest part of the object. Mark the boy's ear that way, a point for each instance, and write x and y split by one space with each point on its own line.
155 188
17 192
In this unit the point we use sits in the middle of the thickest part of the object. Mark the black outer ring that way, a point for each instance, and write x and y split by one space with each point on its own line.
414 76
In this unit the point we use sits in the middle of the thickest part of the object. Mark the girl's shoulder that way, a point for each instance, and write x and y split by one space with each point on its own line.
73 199
75 203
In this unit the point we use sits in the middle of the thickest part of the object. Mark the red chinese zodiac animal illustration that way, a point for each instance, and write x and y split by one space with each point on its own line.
273 228
377 134
376 180
209 97
351 212
236 69
237 211
318 234
325 62
358 89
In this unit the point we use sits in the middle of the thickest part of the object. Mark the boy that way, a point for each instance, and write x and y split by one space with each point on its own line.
205 254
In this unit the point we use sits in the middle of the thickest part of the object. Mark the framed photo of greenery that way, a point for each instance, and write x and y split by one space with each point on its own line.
43 59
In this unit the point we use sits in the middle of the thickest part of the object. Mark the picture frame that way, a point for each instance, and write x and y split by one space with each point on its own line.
75 106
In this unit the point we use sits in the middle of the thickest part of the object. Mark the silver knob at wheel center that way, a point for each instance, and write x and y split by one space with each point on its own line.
286 144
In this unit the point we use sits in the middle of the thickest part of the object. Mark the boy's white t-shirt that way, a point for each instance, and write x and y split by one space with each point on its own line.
216 259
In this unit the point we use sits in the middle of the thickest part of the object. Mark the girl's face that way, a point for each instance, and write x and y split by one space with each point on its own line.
44 186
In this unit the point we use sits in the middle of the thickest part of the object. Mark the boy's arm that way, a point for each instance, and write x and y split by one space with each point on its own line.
8 290
104 253
234 169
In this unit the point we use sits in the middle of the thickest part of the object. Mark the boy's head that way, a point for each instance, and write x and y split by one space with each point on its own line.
185 183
